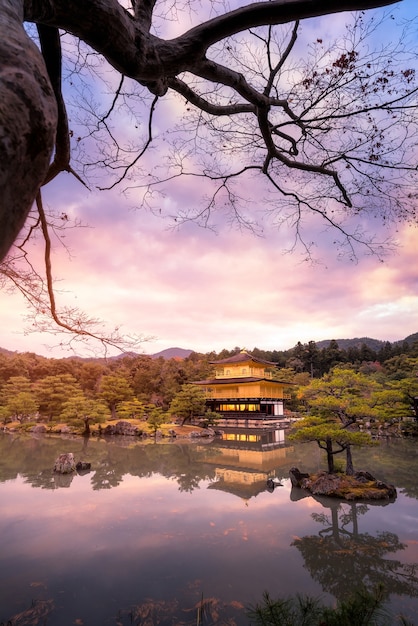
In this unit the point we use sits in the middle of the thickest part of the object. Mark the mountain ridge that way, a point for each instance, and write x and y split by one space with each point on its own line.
172 353
183 353
374 344
355 342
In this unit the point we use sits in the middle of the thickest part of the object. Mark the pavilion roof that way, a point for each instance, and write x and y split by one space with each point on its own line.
242 357
242 490
239 379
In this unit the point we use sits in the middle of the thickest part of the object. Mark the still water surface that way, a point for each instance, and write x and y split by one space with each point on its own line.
154 528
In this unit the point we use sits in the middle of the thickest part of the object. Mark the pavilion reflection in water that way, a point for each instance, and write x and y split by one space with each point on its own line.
245 458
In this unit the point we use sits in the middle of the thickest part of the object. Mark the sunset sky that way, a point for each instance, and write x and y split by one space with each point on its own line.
206 290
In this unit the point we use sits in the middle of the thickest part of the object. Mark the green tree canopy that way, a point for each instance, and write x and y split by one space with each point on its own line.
129 409
52 392
17 399
336 402
189 402
156 418
342 394
85 411
114 389
402 372
331 437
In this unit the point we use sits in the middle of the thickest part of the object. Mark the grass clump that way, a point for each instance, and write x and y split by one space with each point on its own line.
364 608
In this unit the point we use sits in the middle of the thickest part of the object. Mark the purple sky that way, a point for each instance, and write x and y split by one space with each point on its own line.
205 291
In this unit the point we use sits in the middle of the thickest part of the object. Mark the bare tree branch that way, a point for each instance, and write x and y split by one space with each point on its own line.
331 130
204 105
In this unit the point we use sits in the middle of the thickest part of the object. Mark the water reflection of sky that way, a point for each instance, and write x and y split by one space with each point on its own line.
143 531
98 553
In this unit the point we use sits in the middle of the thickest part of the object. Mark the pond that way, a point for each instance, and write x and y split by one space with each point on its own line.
154 529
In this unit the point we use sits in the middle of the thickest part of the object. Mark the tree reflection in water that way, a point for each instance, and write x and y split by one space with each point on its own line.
161 523
343 560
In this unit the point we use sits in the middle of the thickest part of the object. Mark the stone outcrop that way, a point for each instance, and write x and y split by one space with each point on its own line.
272 483
39 428
122 428
361 486
201 433
65 463
83 466
296 476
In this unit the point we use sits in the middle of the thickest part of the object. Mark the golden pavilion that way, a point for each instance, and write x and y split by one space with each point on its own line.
246 387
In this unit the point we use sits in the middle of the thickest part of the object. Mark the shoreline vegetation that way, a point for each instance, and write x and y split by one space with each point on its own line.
111 427
361 486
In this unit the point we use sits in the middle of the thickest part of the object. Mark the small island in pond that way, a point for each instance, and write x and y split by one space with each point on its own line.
359 486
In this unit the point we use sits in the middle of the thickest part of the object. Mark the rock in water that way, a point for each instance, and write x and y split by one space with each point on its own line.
82 466
361 486
296 476
65 463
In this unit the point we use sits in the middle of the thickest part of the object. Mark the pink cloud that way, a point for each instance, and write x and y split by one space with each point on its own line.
189 286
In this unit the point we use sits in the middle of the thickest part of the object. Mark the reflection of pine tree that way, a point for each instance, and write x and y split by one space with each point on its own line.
106 476
181 463
45 479
342 560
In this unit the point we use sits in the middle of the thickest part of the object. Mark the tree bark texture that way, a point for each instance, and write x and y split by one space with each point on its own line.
349 465
28 118
330 455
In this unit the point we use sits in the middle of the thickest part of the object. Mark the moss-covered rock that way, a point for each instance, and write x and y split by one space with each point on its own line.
360 486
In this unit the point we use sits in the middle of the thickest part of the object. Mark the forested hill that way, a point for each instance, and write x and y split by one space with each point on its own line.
173 353
36 384
373 344
343 344
4 351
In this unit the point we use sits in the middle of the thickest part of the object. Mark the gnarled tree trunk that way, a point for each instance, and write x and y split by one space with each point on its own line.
330 455
28 118
349 470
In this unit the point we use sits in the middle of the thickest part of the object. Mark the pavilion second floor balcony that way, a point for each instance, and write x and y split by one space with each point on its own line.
246 395
244 372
